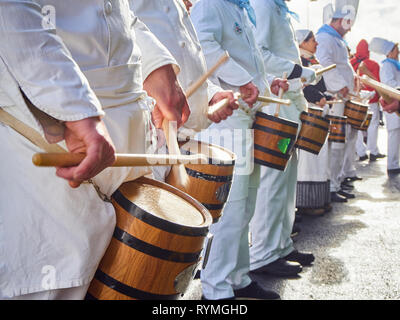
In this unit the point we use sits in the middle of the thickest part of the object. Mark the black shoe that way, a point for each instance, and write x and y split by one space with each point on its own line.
337 198
298 217
304 258
381 123
374 157
346 186
355 178
346 194
393 171
281 267
254 292
363 158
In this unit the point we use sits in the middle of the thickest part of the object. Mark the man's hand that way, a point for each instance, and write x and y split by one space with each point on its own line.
309 75
344 92
249 93
171 102
227 111
91 137
277 84
321 102
394 106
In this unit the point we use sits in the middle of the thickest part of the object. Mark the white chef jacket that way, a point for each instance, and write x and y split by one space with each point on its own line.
217 32
91 60
332 50
170 22
276 39
390 76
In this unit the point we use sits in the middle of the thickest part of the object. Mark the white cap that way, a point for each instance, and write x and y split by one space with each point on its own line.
381 46
343 9
302 35
346 9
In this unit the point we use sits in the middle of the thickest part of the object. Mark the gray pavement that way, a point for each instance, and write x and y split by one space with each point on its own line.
357 245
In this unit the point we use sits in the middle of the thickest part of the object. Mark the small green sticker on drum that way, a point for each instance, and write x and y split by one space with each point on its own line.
283 145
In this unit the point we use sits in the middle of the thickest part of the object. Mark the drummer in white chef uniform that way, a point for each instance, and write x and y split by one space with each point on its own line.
228 25
272 248
332 49
52 241
169 21
390 75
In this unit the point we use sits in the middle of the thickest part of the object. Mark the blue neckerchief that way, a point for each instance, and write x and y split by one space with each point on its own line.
329 30
394 62
283 7
245 4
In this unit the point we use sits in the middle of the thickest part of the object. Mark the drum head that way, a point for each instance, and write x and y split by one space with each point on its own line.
165 202
215 154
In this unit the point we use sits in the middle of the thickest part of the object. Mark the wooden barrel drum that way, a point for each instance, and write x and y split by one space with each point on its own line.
274 140
356 113
313 132
364 126
337 129
209 183
156 245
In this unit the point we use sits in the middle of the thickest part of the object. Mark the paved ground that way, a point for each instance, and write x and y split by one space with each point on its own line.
357 245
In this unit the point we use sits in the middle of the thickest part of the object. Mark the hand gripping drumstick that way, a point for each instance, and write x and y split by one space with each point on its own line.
321 71
179 171
278 106
122 160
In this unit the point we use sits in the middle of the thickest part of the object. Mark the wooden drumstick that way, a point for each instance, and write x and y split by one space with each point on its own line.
281 91
193 88
321 71
178 170
122 160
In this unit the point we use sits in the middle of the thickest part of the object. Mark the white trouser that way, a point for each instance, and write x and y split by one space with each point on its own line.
74 293
273 219
373 129
349 157
393 149
228 262
361 147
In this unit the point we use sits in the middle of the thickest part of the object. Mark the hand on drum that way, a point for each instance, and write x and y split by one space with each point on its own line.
344 92
164 87
225 112
277 84
249 93
394 106
91 137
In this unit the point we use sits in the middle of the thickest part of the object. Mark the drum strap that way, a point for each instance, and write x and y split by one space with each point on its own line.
34 137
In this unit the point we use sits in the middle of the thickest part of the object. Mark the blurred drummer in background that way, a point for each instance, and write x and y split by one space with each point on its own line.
313 181
390 75
332 49
228 25
361 62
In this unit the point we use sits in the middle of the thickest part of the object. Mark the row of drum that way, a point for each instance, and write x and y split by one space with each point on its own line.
162 231
276 138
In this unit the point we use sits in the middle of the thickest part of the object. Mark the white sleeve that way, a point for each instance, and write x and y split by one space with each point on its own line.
42 65
326 55
154 54
207 21
388 75
266 22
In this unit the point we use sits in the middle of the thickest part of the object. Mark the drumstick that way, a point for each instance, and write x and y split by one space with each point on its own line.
218 106
192 89
321 71
278 106
178 170
122 160
334 101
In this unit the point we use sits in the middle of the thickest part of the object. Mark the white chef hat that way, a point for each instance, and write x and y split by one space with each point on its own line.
302 35
381 46
346 9
343 9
